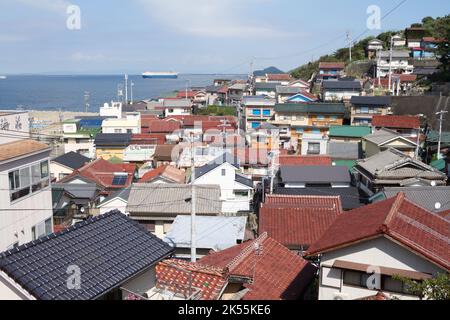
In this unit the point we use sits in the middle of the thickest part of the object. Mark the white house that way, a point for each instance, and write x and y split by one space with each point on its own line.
116 201
399 65
314 144
113 110
25 193
236 189
363 250
130 124
177 107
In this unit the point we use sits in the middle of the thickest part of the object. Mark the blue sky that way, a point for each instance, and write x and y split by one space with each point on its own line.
196 36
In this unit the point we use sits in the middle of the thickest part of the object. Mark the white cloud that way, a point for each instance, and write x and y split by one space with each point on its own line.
211 18
59 6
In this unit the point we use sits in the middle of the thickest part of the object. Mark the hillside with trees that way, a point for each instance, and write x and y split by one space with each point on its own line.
438 28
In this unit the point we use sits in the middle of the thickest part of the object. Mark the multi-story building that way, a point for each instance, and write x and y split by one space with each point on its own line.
364 108
314 118
330 70
79 135
340 90
25 193
130 124
258 110
399 64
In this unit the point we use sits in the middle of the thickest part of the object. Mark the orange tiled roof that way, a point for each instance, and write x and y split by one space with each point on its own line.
20 148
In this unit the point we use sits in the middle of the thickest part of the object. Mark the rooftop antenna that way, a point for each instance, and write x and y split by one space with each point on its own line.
441 119
131 89
126 88
86 101
350 45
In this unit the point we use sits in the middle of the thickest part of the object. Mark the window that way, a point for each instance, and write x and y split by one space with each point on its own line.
266 113
255 125
321 118
29 179
313 148
333 118
355 278
42 229
256 112
224 172
316 131
149 225
364 110
299 130
129 131
117 130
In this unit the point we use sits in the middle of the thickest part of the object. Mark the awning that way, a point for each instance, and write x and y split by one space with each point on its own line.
346 265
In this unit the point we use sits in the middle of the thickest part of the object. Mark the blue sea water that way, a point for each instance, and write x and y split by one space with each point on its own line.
54 92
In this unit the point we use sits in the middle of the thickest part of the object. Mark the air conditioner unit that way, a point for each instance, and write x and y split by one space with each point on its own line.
340 296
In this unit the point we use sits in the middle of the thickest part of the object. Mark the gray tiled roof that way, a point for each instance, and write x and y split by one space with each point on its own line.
80 191
382 136
177 103
426 197
113 139
350 197
394 164
372 101
172 200
336 84
288 90
345 150
314 174
72 160
244 180
109 249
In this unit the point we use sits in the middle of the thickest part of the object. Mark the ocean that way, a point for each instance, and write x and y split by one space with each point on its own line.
42 92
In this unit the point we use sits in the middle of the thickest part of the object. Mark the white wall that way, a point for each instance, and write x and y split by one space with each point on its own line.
17 125
143 283
57 169
86 144
115 204
339 96
227 184
20 216
111 110
378 252
323 145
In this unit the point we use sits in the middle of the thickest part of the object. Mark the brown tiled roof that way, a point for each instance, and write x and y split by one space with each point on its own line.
305 161
415 228
175 276
160 126
275 272
298 221
380 296
403 122
332 65
168 172
102 172
148 138
20 148
279 77
164 152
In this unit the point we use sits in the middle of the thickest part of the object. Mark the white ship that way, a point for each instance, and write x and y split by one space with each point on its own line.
160 75
2 77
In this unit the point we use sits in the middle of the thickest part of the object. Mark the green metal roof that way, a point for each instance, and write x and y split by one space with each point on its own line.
350 131
325 108
433 136
345 163
438 164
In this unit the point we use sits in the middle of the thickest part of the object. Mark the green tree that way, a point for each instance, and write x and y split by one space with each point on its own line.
437 288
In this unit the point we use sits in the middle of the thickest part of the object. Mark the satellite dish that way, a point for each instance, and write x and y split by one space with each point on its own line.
438 206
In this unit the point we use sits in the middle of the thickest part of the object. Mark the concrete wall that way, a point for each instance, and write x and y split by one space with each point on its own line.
14 126
56 170
21 215
141 284
378 252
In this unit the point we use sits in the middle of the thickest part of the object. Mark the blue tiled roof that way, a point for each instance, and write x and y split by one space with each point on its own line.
109 250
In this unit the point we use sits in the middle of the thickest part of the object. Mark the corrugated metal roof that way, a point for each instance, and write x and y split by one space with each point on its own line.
336 84
350 131
372 101
216 233
434 199
345 150
314 174
172 200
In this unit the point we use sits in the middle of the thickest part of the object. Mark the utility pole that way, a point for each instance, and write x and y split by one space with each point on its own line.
126 88
86 101
193 203
350 46
441 119
390 63
131 88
